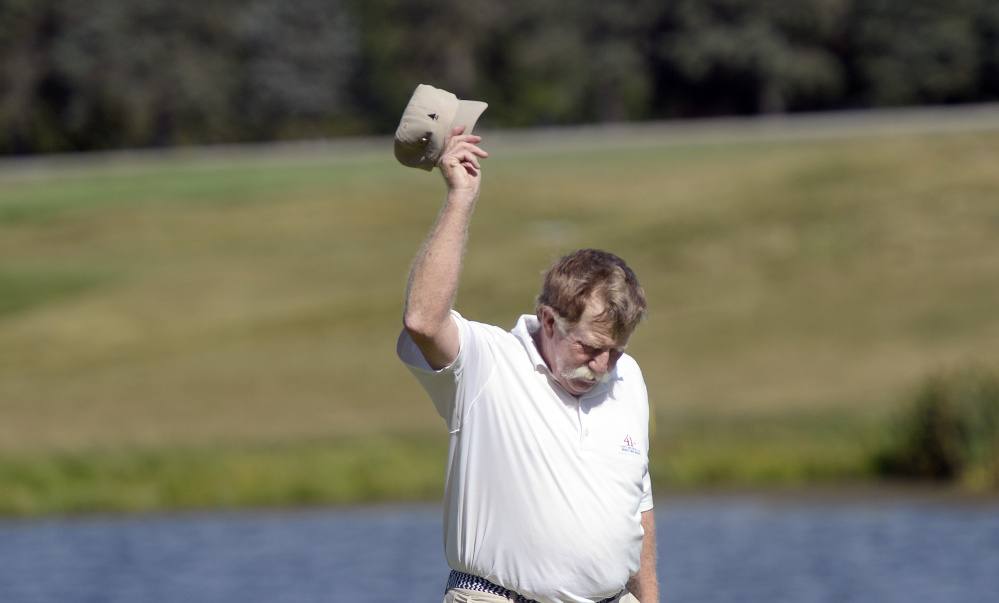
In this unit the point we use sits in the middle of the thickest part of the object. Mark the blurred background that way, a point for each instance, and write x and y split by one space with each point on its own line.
106 74
204 243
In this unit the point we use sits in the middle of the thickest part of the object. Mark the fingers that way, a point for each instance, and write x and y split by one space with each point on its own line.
462 149
457 135
469 155
470 167
460 140
468 162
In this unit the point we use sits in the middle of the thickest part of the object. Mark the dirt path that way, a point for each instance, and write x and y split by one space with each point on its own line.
725 130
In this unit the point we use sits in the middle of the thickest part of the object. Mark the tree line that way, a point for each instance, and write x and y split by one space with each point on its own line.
102 74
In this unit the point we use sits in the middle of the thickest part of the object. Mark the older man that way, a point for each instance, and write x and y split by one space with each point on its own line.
548 496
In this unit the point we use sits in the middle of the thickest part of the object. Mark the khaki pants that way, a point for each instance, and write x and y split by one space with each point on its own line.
460 595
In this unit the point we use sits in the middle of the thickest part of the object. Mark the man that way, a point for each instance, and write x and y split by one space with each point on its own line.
547 496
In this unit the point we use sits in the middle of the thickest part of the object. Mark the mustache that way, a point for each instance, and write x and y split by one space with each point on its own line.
584 372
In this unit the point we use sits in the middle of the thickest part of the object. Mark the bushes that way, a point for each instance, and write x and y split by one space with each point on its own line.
949 433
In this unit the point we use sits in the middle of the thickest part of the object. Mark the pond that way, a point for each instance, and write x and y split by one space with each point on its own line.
711 549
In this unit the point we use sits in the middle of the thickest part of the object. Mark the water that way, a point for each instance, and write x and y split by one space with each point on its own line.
720 550
735 552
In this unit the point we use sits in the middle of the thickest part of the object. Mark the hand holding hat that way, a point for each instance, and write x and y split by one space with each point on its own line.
429 118
459 163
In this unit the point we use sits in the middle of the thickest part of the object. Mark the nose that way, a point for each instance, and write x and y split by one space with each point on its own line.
601 362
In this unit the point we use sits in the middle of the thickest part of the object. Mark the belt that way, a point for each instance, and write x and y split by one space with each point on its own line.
469 582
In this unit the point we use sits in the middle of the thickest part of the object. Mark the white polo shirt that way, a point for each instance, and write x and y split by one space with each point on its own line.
544 491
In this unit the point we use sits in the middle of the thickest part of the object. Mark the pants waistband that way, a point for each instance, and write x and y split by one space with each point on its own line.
469 582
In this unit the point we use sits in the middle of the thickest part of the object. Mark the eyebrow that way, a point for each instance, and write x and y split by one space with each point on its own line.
600 348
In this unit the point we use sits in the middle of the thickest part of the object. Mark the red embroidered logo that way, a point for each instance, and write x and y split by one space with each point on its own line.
629 445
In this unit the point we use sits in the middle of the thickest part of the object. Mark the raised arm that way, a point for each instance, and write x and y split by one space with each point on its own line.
433 281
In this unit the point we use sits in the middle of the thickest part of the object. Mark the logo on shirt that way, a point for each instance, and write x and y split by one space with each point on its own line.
629 445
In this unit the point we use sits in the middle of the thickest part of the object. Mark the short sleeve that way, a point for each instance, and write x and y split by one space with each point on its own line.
646 502
441 384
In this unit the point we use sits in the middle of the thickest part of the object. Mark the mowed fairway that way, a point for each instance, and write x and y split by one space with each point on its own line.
245 300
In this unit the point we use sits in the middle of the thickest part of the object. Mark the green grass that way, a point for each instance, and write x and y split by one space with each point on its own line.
304 474
194 309
791 449
766 452
25 289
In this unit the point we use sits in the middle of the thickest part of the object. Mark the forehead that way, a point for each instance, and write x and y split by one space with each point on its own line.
597 333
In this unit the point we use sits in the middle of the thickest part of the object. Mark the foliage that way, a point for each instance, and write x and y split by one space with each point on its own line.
950 432
756 57
313 473
96 74
101 74
922 51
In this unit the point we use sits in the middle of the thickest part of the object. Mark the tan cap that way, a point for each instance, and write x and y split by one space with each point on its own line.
426 122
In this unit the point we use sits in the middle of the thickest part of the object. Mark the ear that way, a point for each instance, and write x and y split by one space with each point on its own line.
548 322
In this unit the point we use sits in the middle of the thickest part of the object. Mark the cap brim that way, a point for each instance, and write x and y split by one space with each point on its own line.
468 113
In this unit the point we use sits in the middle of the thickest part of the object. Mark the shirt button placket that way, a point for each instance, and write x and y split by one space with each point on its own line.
584 431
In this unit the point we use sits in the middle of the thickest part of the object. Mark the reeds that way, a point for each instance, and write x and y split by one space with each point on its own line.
949 431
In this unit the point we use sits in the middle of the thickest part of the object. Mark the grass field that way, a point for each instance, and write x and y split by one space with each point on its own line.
235 318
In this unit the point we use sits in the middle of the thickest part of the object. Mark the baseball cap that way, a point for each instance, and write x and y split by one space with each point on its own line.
426 122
